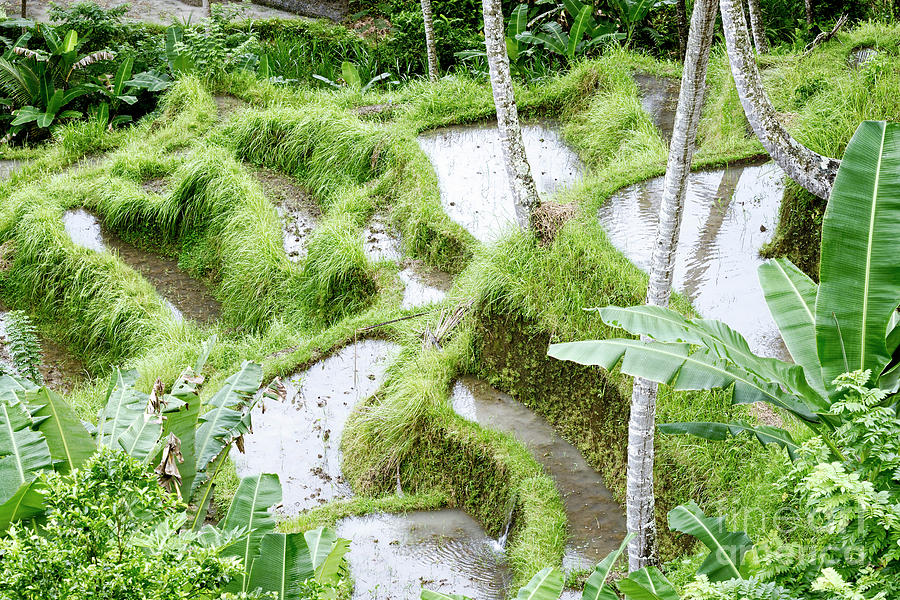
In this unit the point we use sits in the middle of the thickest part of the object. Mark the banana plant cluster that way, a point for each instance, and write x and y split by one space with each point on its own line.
39 431
847 322
553 37
723 563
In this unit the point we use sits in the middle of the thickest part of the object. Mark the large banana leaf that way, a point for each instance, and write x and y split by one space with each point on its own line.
124 405
727 548
23 451
595 587
666 325
320 541
69 442
580 25
26 502
283 565
225 420
141 438
545 585
647 584
859 280
791 296
720 431
330 570
250 510
674 365
12 388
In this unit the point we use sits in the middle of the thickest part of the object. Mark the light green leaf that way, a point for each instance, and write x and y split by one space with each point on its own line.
329 572
25 503
859 280
791 296
580 25
282 566
140 439
23 451
727 548
320 542
250 509
69 442
720 431
647 584
429 595
545 585
595 587
124 405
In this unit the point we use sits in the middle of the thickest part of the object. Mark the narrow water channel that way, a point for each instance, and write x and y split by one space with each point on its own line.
186 296
392 557
596 520
728 215
473 182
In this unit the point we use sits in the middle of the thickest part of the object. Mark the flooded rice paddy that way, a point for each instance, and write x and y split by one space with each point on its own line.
300 438
392 557
659 98
728 215
596 521
298 210
472 179
186 296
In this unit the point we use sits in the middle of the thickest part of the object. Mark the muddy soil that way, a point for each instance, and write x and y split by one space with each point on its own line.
392 557
61 371
299 438
474 186
186 296
297 208
152 11
596 521
728 215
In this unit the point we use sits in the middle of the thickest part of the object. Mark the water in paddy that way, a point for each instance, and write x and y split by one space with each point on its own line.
596 521
728 215
421 284
186 296
395 556
473 182
298 210
659 98
300 437
7 167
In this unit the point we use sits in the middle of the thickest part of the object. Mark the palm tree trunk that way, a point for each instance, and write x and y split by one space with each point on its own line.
24 9
757 26
524 191
809 12
681 11
430 48
207 8
640 501
811 170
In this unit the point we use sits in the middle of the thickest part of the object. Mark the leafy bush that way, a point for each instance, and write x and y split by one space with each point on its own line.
110 531
102 26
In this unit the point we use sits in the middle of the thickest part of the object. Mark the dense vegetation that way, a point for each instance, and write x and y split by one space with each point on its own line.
99 501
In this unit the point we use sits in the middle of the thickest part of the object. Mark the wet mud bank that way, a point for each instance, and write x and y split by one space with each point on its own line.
395 556
186 296
60 369
729 215
596 523
472 179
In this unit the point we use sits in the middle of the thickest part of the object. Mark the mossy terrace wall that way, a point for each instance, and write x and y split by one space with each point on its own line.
287 315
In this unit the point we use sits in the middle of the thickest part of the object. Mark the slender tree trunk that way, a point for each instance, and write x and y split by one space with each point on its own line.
524 191
811 170
642 423
24 9
681 12
758 27
809 12
434 69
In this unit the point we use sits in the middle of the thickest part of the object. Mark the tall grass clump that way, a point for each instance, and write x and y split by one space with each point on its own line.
338 279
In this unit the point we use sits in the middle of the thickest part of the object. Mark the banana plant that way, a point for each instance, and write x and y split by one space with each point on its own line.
272 561
570 43
727 550
847 322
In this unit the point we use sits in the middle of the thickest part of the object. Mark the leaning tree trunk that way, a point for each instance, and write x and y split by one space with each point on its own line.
809 12
681 13
430 47
640 502
524 191
757 26
811 170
